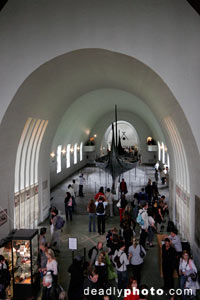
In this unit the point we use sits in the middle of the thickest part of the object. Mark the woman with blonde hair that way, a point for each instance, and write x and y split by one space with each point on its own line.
52 265
100 266
136 257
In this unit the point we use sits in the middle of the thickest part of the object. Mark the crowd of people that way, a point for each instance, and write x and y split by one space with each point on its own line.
120 262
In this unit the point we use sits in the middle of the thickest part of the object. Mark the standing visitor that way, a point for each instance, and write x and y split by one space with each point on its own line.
110 197
81 182
91 209
68 206
123 187
101 211
75 187
71 191
168 264
121 261
144 224
136 259
122 205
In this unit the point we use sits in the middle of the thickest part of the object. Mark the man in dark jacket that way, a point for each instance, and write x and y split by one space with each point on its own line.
92 283
49 290
168 264
77 278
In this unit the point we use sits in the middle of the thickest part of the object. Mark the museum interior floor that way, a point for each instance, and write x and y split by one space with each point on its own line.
94 178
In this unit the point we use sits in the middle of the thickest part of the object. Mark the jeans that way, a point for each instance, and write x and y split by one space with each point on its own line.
92 220
122 279
136 269
68 211
101 224
143 237
182 285
80 190
150 234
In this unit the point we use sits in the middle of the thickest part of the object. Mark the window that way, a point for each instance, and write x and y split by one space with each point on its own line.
163 153
75 153
81 151
68 156
159 151
59 152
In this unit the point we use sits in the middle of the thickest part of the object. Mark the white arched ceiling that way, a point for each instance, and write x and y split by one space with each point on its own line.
83 114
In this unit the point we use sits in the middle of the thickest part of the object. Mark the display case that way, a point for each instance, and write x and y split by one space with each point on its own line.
25 263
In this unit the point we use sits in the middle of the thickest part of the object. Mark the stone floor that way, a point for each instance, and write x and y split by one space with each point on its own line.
79 226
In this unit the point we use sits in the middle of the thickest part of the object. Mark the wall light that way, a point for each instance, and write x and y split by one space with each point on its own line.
63 152
95 135
72 150
52 154
78 148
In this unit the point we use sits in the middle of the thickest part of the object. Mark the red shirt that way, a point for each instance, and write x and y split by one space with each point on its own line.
132 297
99 194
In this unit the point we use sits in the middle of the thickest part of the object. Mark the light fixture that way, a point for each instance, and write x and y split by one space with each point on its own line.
63 151
95 135
78 148
165 148
52 154
72 150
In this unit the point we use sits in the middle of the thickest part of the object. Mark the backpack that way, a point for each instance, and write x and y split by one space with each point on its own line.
117 261
100 208
139 219
91 251
59 222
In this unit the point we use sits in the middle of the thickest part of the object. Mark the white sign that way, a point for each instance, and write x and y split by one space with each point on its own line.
73 244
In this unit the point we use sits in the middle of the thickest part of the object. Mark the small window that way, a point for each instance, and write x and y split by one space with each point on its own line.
81 151
75 154
59 152
68 156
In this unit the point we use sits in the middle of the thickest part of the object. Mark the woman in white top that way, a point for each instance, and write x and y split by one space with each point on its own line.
52 264
151 229
186 268
135 258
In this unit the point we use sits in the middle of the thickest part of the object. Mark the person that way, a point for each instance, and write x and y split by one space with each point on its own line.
100 193
42 259
42 237
163 176
71 191
176 243
68 206
149 191
133 287
91 209
186 268
121 261
151 228
159 218
81 181
123 187
101 204
135 258
4 276
91 283
123 203
52 265
94 252
75 270
143 294
144 227
142 196
100 266
55 241
75 187
168 264
110 197
49 289
155 192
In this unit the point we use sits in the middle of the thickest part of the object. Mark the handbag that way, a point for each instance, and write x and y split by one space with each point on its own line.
142 254
119 203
